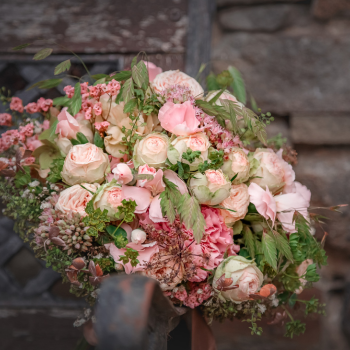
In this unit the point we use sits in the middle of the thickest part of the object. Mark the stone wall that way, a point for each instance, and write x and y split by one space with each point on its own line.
295 58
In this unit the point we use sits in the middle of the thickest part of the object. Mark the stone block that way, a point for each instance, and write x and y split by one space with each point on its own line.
326 9
251 2
262 18
302 68
320 129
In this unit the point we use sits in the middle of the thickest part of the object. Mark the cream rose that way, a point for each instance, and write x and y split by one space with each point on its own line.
113 142
210 188
109 197
237 270
85 163
273 171
237 164
196 142
151 150
74 199
174 77
237 201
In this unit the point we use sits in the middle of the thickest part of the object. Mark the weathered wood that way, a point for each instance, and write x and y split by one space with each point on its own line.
133 314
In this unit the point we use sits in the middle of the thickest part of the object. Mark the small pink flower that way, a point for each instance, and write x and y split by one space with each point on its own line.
29 160
84 88
27 130
44 104
153 70
88 113
69 90
103 126
179 119
5 119
46 124
31 108
98 108
16 104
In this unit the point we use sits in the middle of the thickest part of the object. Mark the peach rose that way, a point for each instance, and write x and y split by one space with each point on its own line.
238 201
237 270
122 173
151 150
74 199
85 163
153 70
113 142
237 164
210 188
174 77
110 198
179 119
147 170
195 142
273 171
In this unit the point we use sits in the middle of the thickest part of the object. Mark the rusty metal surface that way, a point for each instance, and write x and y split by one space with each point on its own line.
88 26
133 314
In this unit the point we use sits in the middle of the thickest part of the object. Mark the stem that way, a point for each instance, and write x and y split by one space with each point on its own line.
288 313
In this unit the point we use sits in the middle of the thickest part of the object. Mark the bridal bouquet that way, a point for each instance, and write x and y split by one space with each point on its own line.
143 172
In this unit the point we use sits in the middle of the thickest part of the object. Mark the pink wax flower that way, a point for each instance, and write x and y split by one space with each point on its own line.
153 70
179 119
102 127
98 108
5 119
84 87
88 113
31 108
69 90
44 104
16 104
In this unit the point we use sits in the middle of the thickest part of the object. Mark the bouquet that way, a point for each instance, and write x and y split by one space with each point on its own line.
142 171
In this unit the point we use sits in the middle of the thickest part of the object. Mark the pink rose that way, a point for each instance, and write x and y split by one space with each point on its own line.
237 164
237 201
273 171
67 126
16 104
147 170
5 119
109 198
169 78
122 173
179 119
153 70
33 143
85 163
74 199
31 108
263 200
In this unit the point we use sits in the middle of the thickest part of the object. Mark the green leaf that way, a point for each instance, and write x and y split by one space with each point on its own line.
253 104
283 245
42 54
99 76
124 75
50 133
249 241
82 138
130 106
76 100
238 85
22 179
55 170
311 274
98 140
128 90
61 101
217 96
74 142
140 75
62 67
99 81
234 177
20 47
46 84
269 250
133 62
212 83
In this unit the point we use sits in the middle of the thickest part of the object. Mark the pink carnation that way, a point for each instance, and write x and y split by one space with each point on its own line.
198 294
16 104
5 119
31 108
27 130
44 104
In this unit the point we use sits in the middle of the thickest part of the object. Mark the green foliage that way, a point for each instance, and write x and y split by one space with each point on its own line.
106 264
249 241
216 160
294 328
55 170
311 275
61 101
22 179
76 100
118 234
20 47
130 256
62 67
57 259
224 79
277 141
190 155
98 140
313 306
46 84
238 85
130 106
50 133
128 90
42 54
212 84
123 75
96 220
269 250
169 200
140 75
290 278
126 211
82 138
282 244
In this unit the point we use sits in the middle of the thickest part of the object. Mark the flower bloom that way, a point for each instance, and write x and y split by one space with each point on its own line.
44 104
237 270
237 164
174 77
122 173
151 150
153 70
69 90
85 163
16 104
98 108
74 199
31 108
237 201
101 127
179 119
5 119
110 198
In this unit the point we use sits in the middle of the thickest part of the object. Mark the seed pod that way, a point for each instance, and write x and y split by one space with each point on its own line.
69 240
64 237
68 231
86 237
77 246
72 227
76 234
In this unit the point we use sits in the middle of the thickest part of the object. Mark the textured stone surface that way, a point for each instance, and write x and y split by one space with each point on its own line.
318 129
253 2
325 9
262 18
299 69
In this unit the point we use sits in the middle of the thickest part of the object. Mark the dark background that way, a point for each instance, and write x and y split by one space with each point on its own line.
295 58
